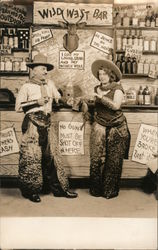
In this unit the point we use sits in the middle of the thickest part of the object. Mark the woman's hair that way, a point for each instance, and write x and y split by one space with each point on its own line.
112 76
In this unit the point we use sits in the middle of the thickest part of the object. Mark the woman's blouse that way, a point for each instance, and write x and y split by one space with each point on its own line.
31 91
103 114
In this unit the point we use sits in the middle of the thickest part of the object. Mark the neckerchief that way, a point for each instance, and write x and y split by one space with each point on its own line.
108 87
42 84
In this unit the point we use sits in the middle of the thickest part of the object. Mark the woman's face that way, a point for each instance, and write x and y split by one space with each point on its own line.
103 76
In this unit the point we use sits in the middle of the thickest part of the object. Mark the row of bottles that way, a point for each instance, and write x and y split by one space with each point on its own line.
141 97
150 19
13 64
15 38
132 37
129 65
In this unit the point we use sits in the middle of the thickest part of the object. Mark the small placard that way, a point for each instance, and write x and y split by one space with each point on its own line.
146 144
8 142
102 42
41 36
5 49
71 138
133 51
75 60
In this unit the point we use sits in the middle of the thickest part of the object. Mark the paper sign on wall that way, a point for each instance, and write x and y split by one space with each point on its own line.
71 138
75 60
41 36
146 144
8 142
102 42
14 14
133 51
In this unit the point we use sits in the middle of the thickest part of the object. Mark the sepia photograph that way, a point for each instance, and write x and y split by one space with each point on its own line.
78 124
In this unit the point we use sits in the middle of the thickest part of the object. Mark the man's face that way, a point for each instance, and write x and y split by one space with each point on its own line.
40 72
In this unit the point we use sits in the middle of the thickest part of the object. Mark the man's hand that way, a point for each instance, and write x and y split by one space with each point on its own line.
42 101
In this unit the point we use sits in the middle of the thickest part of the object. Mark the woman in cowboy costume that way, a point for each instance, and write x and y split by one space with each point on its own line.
110 137
36 172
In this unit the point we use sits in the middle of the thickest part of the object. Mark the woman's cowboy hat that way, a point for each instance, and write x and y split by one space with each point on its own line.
40 59
105 64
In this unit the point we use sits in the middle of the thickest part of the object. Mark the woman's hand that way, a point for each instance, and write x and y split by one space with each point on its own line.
98 95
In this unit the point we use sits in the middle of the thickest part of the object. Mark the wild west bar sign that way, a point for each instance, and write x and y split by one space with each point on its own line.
53 13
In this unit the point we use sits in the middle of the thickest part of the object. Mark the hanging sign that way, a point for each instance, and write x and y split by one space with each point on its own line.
146 144
14 14
40 36
71 138
133 51
53 12
102 42
8 142
75 60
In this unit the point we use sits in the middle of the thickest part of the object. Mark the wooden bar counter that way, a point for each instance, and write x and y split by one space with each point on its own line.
78 165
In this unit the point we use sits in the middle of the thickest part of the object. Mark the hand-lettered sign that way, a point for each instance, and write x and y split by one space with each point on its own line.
14 14
8 142
133 51
71 138
146 144
102 42
41 36
75 60
5 49
92 14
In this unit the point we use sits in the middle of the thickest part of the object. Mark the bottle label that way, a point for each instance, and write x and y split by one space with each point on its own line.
147 100
140 99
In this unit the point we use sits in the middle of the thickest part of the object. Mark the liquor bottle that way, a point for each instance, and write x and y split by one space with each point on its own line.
16 65
140 67
118 42
153 19
140 96
118 62
146 96
129 65
15 39
23 66
156 97
156 18
147 19
146 67
146 44
134 20
2 64
8 65
124 41
152 45
5 37
140 39
134 66
117 20
11 38
123 65
126 20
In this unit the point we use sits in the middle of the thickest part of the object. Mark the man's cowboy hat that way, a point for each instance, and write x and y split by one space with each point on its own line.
40 59
105 64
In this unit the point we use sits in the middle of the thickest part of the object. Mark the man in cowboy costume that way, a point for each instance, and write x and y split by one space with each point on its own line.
37 173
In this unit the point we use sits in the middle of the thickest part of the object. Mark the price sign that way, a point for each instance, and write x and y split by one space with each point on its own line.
133 51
